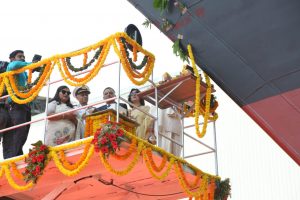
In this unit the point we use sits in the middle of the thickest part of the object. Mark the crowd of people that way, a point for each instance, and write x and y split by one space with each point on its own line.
69 125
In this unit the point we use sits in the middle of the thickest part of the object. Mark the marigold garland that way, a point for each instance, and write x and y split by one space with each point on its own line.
33 90
198 95
2 171
148 153
199 191
196 181
130 150
6 79
1 86
125 171
12 183
76 171
205 189
73 81
15 170
150 165
66 163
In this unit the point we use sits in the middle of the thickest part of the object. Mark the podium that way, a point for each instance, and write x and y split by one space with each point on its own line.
95 120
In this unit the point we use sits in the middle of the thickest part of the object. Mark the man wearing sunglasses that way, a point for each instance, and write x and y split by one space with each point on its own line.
14 140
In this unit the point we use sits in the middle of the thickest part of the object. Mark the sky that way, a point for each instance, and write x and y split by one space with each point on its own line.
257 167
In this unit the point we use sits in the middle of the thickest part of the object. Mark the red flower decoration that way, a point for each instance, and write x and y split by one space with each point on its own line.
108 138
36 162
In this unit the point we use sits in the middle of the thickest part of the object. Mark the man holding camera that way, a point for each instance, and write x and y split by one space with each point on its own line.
14 140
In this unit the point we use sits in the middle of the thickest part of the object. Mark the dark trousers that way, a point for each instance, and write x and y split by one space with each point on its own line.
14 140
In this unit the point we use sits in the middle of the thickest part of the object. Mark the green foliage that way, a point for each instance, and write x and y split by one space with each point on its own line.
223 189
147 23
162 5
179 51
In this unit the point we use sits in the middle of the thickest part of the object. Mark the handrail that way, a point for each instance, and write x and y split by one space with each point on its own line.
55 115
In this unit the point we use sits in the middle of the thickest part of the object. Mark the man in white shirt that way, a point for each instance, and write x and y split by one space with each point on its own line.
82 95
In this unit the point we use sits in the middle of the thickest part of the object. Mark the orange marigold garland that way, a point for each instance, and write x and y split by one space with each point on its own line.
36 162
131 149
74 166
148 152
15 171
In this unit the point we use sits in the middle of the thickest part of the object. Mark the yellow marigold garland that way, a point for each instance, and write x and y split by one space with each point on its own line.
12 183
148 153
200 190
1 171
66 163
126 64
180 174
130 73
73 172
125 171
130 150
15 170
1 86
34 89
197 96
22 97
196 181
150 165
73 81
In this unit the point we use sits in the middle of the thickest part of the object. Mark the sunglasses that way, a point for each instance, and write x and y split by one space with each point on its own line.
65 92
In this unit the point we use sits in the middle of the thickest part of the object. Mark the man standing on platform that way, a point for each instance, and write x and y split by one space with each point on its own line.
14 140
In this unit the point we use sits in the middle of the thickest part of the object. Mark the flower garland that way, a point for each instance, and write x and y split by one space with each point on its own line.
34 91
108 138
12 183
39 83
125 171
76 171
150 165
187 190
143 147
15 170
148 153
36 162
69 166
2 84
132 64
195 183
197 97
62 61
131 149
85 64
73 81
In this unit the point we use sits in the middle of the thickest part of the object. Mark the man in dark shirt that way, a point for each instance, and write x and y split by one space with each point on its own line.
107 94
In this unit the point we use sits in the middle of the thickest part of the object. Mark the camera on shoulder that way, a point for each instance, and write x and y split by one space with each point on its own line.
3 66
37 58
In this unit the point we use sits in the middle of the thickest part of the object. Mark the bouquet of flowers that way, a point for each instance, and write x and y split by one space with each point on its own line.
108 138
36 162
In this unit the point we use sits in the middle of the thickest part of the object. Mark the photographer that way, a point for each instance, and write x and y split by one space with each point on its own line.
14 140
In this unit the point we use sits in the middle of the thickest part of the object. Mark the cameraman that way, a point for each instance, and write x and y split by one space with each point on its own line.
14 139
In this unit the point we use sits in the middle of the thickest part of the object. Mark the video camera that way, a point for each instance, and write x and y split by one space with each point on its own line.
37 58
3 66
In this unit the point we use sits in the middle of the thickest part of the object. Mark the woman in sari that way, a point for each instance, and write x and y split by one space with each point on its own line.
145 128
60 129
